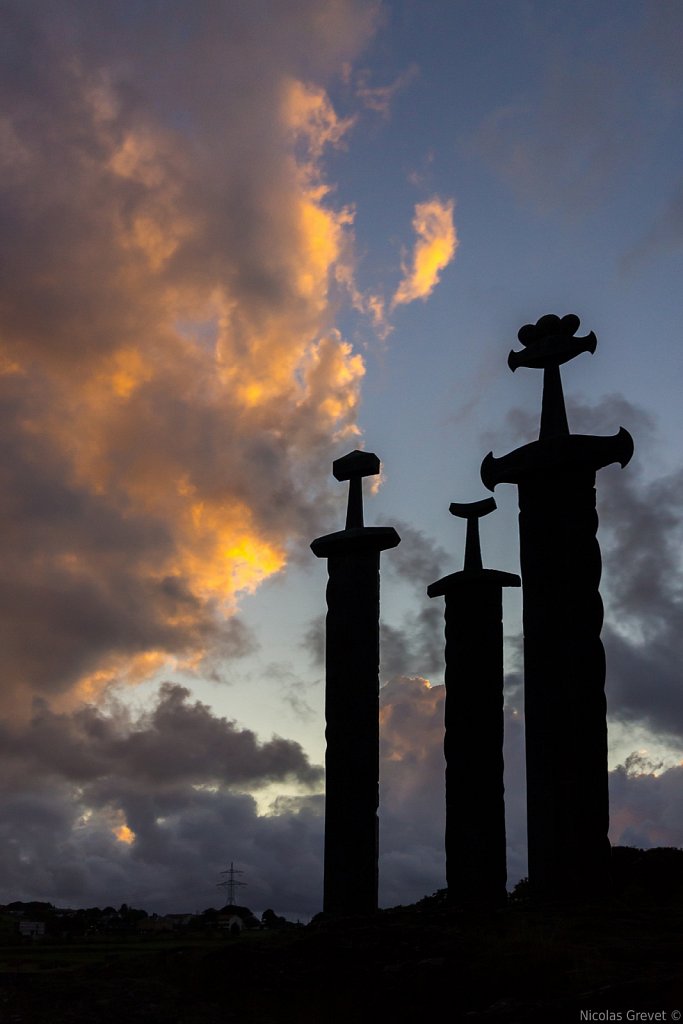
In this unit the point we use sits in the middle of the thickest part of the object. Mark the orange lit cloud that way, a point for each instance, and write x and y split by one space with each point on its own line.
413 699
171 377
124 834
434 249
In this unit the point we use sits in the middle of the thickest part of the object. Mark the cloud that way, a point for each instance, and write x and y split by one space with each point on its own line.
641 553
566 145
434 249
412 795
171 375
640 534
97 804
380 97
177 741
80 786
415 645
412 790
645 807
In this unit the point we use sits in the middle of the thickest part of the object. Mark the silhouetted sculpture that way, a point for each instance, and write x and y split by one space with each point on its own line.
352 696
473 741
564 660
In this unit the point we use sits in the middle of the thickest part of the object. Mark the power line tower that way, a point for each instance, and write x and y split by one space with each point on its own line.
231 883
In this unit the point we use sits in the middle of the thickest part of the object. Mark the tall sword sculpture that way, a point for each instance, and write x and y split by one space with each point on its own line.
352 696
564 660
473 740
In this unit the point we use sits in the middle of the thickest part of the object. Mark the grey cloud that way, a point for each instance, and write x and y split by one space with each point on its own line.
177 741
415 646
174 776
641 532
182 845
313 640
418 558
646 810
56 839
412 791
603 417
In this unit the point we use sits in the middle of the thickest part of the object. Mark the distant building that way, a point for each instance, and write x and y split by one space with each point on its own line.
156 924
230 923
34 929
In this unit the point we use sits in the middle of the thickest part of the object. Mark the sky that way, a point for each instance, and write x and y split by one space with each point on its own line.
240 239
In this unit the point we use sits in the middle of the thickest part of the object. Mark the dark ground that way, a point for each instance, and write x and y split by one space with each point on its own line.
522 963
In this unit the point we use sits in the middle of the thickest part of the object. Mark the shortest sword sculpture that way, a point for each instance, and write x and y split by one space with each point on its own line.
564 660
473 741
352 696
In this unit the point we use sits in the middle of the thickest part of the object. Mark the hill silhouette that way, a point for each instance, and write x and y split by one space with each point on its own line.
524 962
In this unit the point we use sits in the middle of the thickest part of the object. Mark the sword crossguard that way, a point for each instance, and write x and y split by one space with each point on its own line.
472 511
353 467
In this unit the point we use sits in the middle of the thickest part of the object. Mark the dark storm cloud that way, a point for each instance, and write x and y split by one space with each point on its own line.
412 790
184 839
178 741
412 794
644 630
641 534
75 784
415 645
646 809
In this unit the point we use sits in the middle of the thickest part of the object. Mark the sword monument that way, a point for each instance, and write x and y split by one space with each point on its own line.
352 696
473 741
564 660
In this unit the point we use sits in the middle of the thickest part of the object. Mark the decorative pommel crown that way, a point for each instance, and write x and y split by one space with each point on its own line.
353 467
472 511
551 342
547 344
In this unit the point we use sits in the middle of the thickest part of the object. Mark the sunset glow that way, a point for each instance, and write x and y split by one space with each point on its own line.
434 249
124 835
240 241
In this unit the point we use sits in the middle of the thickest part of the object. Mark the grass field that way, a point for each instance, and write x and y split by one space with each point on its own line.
522 963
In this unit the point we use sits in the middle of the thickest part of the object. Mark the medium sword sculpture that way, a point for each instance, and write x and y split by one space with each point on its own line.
473 740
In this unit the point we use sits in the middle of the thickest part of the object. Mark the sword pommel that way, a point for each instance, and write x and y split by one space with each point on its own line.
355 464
353 467
472 511
551 342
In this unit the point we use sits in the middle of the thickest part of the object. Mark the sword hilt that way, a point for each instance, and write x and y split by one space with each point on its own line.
353 467
548 344
472 511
